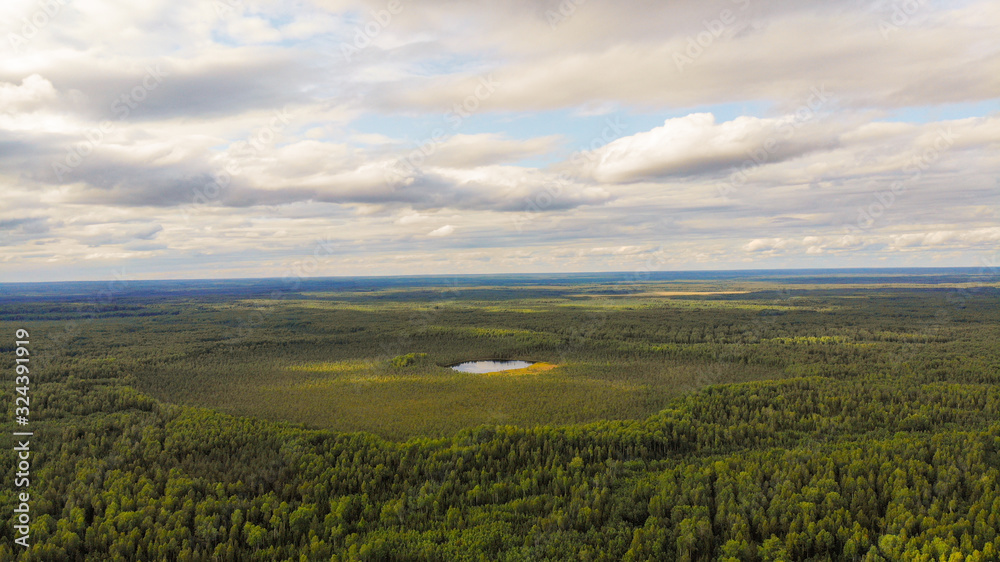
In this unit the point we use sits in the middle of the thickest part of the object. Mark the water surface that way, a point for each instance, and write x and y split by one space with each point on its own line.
490 366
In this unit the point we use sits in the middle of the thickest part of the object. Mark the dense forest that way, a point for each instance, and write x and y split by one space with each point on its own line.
755 417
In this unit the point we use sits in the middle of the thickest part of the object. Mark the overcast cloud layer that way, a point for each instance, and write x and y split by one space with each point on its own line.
237 138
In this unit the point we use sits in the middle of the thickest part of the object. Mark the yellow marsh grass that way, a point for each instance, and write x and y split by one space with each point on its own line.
534 369
363 372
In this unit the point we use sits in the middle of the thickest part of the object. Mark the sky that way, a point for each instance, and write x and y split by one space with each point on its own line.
240 138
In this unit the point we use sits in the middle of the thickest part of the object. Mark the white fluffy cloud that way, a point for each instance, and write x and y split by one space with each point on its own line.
33 93
696 143
446 230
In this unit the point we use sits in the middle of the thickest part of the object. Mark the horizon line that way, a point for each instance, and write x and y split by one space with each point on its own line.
967 269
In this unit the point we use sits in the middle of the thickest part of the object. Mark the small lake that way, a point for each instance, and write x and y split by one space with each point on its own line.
491 366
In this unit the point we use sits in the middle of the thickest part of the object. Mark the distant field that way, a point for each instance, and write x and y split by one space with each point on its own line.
672 293
323 358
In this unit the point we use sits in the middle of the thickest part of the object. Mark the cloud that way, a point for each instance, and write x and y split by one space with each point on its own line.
696 144
760 55
252 30
470 151
960 238
214 83
21 230
32 94
446 230
111 234
889 242
881 145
